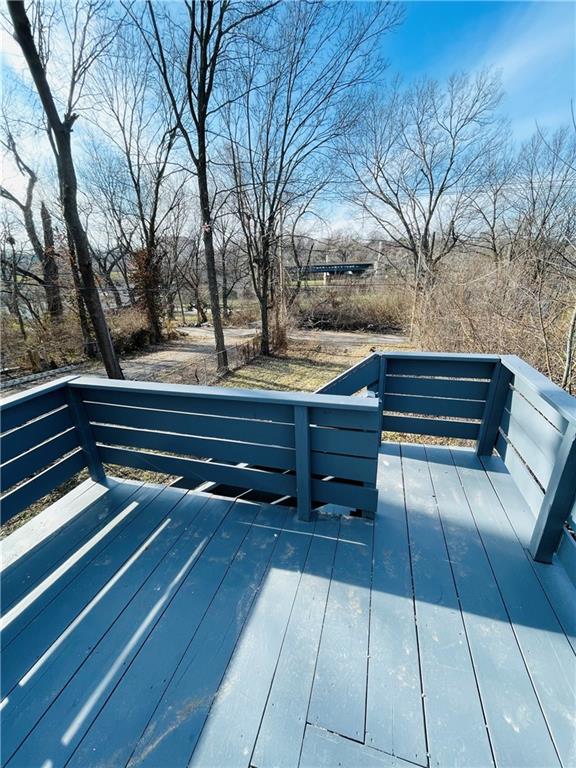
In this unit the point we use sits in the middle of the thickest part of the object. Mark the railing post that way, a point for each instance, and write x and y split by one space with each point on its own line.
557 501
85 436
493 410
303 476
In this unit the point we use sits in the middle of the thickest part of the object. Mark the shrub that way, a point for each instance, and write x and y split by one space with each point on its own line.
130 331
348 309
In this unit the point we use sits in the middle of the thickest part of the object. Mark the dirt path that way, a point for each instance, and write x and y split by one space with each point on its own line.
190 359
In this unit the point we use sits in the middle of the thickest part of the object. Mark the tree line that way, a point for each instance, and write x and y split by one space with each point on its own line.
201 145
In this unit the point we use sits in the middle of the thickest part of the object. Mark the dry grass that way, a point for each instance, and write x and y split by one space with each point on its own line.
303 367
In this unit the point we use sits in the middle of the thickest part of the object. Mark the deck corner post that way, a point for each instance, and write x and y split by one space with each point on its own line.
495 402
557 502
303 476
381 391
85 436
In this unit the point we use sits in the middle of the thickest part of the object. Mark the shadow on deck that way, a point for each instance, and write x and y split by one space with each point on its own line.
162 627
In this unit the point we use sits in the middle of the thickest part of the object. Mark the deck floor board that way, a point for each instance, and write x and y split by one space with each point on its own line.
211 632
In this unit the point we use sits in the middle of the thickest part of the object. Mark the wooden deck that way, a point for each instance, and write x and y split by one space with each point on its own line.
161 627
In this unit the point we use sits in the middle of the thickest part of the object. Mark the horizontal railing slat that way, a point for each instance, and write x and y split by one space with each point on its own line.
354 496
540 463
434 427
463 390
525 482
20 413
36 459
245 477
553 402
434 406
45 482
465 368
200 406
540 430
26 437
354 379
273 457
261 432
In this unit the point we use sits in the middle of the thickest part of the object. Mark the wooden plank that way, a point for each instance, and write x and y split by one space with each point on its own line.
85 435
492 416
463 367
230 731
30 435
339 692
162 681
394 704
545 649
323 749
245 477
453 388
303 466
187 402
434 406
217 395
540 462
554 580
538 429
282 729
558 500
48 673
516 726
353 496
221 450
41 527
27 493
526 482
347 467
367 419
192 569
447 672
436 427
59 608
354 379
566 555
554 403
345 442
27 407
83 517
261 432
36 459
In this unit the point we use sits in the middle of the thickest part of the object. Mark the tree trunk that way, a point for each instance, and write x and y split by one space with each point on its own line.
111 285
90 346
208 239
50 267
61 131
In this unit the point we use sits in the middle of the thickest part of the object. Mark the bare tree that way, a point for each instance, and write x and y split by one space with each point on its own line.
60 133
418 162
45 254
139 130
295 92
190 45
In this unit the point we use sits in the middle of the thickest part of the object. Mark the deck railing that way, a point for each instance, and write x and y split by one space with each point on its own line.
502 404
308 447
319 448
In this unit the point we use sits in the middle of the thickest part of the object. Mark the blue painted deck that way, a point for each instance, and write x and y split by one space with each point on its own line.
155 626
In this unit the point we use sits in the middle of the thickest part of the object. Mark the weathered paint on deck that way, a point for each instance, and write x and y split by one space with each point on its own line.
166 628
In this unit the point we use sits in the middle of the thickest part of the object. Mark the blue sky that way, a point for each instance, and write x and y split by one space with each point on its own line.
532 43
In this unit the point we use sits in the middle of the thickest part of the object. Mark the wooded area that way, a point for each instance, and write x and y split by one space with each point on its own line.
182 163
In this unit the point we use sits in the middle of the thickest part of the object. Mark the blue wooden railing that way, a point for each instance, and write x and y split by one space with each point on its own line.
310 447
319 448
501 403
